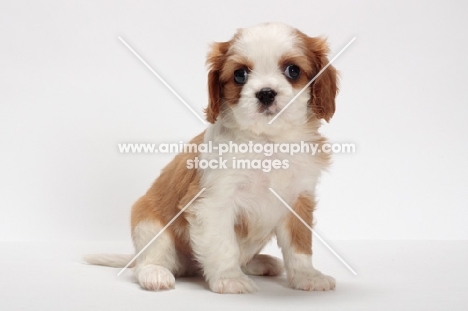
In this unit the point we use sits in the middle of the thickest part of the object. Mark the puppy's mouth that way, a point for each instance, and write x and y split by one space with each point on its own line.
269 110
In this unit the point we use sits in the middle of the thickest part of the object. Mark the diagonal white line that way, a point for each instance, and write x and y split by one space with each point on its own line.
311 81
160 232
161 79
313 231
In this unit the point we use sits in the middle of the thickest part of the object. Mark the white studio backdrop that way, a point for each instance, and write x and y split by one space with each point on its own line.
71 91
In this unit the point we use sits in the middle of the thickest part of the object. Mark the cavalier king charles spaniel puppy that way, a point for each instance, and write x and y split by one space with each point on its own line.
251 78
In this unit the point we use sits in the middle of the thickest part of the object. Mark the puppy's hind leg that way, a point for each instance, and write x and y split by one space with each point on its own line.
262 264
156 266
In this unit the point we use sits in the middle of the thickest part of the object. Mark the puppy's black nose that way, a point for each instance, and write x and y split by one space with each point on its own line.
266 96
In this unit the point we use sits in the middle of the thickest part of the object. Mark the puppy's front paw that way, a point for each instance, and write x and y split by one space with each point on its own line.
239 285
311 281
153 277
262 264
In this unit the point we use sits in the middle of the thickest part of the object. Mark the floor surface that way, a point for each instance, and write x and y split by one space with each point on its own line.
391 275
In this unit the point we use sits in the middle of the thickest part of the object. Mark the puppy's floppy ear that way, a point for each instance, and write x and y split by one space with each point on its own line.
215 62
324 88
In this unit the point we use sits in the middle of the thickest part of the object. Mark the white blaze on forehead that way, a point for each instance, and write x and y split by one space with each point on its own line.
265 44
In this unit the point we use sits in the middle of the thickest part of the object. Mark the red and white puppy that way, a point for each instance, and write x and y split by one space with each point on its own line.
251 78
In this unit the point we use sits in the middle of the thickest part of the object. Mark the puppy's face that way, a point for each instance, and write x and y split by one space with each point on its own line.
260 70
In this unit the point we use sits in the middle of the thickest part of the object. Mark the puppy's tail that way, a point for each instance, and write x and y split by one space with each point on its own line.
110 260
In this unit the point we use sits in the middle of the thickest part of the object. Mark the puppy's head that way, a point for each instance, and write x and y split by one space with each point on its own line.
260 70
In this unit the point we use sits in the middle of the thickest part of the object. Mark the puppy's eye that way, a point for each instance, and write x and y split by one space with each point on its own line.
292 72
240 76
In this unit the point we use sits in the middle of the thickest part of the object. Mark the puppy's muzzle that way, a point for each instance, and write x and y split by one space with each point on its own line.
266 96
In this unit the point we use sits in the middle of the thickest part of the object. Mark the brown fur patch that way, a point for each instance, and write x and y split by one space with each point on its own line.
303 63
301 236
325 87
230 89
215 61
241 227
161 205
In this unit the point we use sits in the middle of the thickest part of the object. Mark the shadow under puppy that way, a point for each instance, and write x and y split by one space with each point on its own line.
220 235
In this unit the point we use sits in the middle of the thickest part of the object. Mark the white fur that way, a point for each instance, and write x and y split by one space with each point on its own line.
156 266
299 269
262 264
110 260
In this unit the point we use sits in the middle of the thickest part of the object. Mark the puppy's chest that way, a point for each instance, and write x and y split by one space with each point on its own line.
250 176
248 192
253 169
258 210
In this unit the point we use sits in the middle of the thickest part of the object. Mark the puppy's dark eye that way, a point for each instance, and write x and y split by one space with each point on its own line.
240 76
292 72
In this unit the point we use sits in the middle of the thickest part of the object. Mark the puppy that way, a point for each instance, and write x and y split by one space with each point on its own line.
251 79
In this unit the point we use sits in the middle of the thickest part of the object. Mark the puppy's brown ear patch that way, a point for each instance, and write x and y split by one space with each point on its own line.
325 87
215 62
214 97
